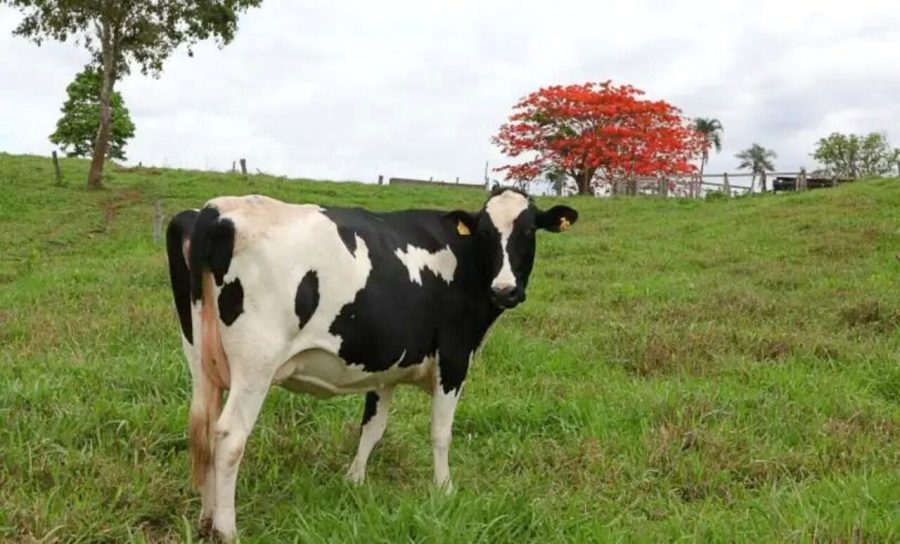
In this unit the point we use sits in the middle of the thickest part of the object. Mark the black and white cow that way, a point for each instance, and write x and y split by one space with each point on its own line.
334 301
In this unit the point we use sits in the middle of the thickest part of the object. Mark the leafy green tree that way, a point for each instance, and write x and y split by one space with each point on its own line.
120 34
76 130
839 155
855 156
758 160
711 132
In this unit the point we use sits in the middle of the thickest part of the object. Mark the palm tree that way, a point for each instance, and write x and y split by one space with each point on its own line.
711 131
758 159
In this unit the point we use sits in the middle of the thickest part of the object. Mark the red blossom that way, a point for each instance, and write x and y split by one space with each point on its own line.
596 133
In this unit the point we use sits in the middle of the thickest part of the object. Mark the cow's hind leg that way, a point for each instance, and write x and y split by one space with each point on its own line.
445 395
373 423
245 399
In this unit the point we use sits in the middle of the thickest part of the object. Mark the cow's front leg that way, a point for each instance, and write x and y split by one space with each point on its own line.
373 423
447 389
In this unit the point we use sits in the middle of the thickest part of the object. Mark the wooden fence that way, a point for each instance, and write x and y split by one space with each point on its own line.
732 184
431 183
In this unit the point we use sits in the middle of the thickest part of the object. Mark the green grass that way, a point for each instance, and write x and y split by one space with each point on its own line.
683 370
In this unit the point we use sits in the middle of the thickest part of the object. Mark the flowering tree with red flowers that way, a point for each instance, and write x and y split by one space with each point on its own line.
597 133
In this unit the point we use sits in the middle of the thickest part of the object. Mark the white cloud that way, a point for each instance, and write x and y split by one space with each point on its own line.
353 89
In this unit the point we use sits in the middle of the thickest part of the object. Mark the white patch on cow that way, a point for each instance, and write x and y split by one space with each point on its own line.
290 240
416 259
503 210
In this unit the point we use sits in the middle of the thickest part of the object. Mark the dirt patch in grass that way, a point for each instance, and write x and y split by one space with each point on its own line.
111 206
869 314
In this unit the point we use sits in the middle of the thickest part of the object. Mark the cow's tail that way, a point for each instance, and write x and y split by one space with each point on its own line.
211 246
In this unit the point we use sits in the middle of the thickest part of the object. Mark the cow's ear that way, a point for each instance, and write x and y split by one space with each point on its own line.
464 223
556 219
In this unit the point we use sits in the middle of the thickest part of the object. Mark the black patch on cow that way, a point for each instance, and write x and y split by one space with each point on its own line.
521 247
453 368
307 299
371 407
231 301
179 230
498 190
393 321
492 252
349 238
212 245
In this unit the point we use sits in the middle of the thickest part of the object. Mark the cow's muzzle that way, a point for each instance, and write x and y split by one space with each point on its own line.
507 297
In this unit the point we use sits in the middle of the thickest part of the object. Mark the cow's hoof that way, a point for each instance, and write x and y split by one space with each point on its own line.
355 477
221 538
205 528
445 487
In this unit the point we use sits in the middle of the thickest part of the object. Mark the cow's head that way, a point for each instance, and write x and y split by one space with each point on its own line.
505 231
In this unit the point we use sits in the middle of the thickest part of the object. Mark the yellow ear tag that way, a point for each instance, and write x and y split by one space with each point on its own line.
462 229
564 224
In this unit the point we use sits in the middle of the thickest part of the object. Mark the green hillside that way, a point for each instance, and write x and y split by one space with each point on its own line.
721 371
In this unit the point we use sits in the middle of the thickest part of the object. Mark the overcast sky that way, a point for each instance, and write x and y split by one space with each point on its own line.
353 89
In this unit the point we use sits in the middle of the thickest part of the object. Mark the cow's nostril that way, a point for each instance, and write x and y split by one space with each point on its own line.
504 292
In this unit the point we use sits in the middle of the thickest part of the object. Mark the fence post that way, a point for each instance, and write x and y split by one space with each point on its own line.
244 166
801 180
59 180
157 221
726 186
380 179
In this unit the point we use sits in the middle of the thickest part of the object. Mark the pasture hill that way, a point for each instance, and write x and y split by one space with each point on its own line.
721 371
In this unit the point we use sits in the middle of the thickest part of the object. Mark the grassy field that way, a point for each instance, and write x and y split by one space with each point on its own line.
720 371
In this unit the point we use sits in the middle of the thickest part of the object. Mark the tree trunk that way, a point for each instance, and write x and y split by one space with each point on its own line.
762 179
583 181
101 144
